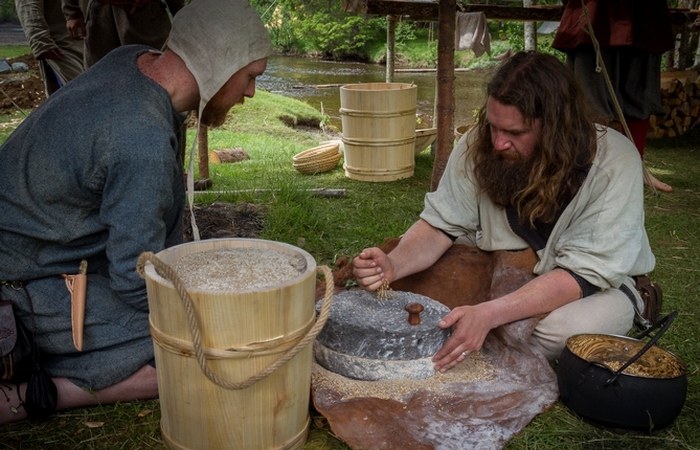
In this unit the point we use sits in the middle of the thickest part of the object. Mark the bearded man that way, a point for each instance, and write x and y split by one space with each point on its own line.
536 171
94 175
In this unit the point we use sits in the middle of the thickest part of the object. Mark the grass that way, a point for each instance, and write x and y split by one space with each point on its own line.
365 216
13 51
327 225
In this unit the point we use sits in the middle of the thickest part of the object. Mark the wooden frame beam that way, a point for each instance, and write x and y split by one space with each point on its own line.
423 10
428 10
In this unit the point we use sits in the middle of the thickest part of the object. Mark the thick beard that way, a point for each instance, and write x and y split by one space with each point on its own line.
214 114
502 178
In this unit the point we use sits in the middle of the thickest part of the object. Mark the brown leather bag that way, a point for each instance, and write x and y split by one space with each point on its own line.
652 296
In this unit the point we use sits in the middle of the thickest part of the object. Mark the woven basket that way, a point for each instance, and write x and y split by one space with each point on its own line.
460 130
424 138
317 159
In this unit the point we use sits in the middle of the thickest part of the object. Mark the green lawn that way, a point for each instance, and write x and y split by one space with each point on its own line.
13 51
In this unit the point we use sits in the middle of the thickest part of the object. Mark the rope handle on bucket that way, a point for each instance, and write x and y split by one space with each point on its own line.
169 274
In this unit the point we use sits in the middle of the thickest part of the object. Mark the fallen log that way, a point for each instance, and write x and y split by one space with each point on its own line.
229 155
316 86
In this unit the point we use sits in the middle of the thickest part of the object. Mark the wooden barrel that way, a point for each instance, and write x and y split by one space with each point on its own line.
379 130
243 332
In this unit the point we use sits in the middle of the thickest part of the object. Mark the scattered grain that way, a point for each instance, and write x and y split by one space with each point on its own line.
474 368
383 293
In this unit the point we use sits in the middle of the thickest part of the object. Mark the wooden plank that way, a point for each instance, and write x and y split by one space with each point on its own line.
428 10
524 14
416 10
672 78
423 10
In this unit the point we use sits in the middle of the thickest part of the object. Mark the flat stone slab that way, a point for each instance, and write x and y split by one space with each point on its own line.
362 325
372 369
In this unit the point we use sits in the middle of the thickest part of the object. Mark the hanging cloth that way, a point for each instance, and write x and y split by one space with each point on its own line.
472 32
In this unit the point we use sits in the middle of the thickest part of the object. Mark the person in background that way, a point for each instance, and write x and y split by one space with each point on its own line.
633 35
516 180
60 56
103 184
108 24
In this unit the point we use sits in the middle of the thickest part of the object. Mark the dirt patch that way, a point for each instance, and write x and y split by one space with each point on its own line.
225 220
21 90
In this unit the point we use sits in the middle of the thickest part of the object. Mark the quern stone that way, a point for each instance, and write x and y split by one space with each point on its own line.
369 338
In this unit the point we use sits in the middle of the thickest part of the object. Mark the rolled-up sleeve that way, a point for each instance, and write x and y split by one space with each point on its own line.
452 207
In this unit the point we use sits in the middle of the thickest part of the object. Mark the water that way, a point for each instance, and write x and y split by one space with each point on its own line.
317 83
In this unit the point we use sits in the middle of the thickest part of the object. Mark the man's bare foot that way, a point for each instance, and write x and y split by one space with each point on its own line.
141 385
657 184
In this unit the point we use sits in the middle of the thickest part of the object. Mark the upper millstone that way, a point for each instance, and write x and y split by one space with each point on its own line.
362 325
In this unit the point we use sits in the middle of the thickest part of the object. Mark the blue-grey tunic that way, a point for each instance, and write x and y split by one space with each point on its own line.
93 173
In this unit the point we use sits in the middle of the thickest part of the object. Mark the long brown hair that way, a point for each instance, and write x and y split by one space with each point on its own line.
541 87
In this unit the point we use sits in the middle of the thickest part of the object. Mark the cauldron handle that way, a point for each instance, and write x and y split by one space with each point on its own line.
666 322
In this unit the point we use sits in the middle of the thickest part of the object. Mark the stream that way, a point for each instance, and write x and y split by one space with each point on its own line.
318 82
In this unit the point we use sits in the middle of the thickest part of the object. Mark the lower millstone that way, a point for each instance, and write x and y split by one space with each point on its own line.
370 339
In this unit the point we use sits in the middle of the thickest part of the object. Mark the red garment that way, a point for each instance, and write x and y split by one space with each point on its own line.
643 24
638 129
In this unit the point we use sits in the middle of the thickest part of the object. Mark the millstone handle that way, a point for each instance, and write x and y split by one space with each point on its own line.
414 310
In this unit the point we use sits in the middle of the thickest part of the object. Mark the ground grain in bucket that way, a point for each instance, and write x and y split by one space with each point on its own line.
240 269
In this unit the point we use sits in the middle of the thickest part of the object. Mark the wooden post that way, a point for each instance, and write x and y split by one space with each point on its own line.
684 49
445 79
390 47
203 145
530 29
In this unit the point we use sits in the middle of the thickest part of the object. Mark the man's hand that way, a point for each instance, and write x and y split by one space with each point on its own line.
76 28
468 335
371 268
55 54
471 324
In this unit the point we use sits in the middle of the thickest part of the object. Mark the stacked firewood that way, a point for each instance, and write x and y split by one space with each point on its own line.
680 95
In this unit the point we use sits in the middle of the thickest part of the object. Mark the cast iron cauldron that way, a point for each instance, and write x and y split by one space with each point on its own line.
620 383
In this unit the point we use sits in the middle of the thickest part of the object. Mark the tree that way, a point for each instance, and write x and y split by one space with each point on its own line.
320 27
7 11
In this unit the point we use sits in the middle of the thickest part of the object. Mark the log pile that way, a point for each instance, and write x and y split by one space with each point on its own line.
680 95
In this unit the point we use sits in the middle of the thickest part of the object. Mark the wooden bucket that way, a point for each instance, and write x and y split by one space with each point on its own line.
243 335
379 130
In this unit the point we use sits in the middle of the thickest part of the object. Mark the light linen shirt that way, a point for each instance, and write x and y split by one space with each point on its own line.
599 236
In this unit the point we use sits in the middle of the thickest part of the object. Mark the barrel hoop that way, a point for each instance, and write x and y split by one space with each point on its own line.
377 114
379 142
393 171
269 347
